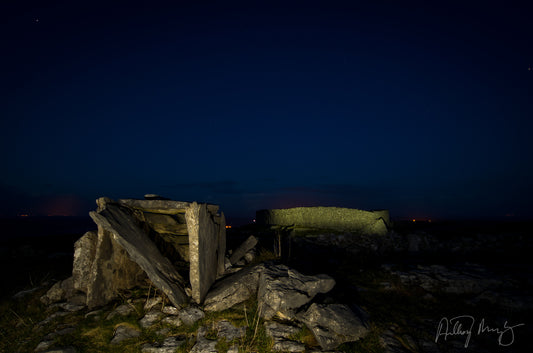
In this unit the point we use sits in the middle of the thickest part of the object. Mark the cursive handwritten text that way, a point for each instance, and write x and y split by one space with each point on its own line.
463 325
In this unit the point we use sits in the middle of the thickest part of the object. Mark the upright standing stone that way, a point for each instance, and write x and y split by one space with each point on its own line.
84 255
203 249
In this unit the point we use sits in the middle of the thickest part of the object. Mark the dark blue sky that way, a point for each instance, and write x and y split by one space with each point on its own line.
422 108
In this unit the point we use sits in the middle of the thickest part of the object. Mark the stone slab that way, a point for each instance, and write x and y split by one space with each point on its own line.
122 225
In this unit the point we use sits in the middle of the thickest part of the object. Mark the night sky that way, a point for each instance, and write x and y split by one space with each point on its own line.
425 109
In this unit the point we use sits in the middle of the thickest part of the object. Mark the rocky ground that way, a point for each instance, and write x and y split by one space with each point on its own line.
419 289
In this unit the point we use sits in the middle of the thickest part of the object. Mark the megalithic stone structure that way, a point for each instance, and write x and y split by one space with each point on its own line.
124 252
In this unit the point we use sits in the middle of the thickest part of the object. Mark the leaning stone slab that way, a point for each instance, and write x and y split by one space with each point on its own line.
248 244
121 224
333 324
283 290
233 289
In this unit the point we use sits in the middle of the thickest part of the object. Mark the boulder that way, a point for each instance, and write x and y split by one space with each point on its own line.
84 255
283 290
189 316
203 345
121 310
118 222
226 330
281 335
170 310
172 321
233 289
60 291
123 332
333 324
244 248
151 318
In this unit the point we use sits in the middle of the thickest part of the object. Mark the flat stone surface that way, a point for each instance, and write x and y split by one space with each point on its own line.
142 250
333 324
233 289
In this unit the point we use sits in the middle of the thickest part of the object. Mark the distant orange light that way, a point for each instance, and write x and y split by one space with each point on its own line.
228 227
23 215
429 220
414 220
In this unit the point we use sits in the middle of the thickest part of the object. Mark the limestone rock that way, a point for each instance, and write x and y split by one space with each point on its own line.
121 310
283 290
84 255
151 318
226 329
169 345
71 307
43 346
205 239
170 310
245 247
333 324
150 303
172 321
288 346
233 289
124 332
281 335
111 271
164 223
204 345
119 222
58 292
190 315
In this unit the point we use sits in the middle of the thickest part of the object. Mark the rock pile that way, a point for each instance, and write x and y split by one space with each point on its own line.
144 241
